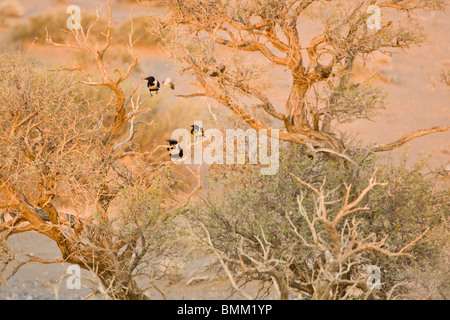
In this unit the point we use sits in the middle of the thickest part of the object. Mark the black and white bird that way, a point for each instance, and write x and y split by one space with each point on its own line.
152 84
215 71
169 82
197 130
175 149
172 142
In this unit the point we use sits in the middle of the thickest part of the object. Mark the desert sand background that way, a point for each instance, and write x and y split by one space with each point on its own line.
416 100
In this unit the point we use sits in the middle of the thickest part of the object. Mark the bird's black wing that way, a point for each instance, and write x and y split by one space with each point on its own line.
172 142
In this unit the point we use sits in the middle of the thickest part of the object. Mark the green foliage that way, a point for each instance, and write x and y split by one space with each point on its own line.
360 101
50 141
27 91
243 205
142 210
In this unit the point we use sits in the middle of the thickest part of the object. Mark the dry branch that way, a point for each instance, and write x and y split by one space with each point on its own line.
272 31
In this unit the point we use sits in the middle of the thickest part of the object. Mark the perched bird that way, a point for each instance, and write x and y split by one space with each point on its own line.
196 130
172 142
176 152
216 70
324 72
152 84
175 149
169 82
180 153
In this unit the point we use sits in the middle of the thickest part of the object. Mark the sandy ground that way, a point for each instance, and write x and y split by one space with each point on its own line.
416 101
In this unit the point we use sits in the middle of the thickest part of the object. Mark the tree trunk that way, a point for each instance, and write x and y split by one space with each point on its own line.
296 107
114 274
297 114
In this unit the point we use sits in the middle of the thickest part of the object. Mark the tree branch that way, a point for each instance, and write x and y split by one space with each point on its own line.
408 137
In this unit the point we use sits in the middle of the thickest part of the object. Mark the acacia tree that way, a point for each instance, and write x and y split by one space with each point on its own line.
323 93
57 146
228 49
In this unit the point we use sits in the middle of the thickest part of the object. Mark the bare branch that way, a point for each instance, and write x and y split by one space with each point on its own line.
408 137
